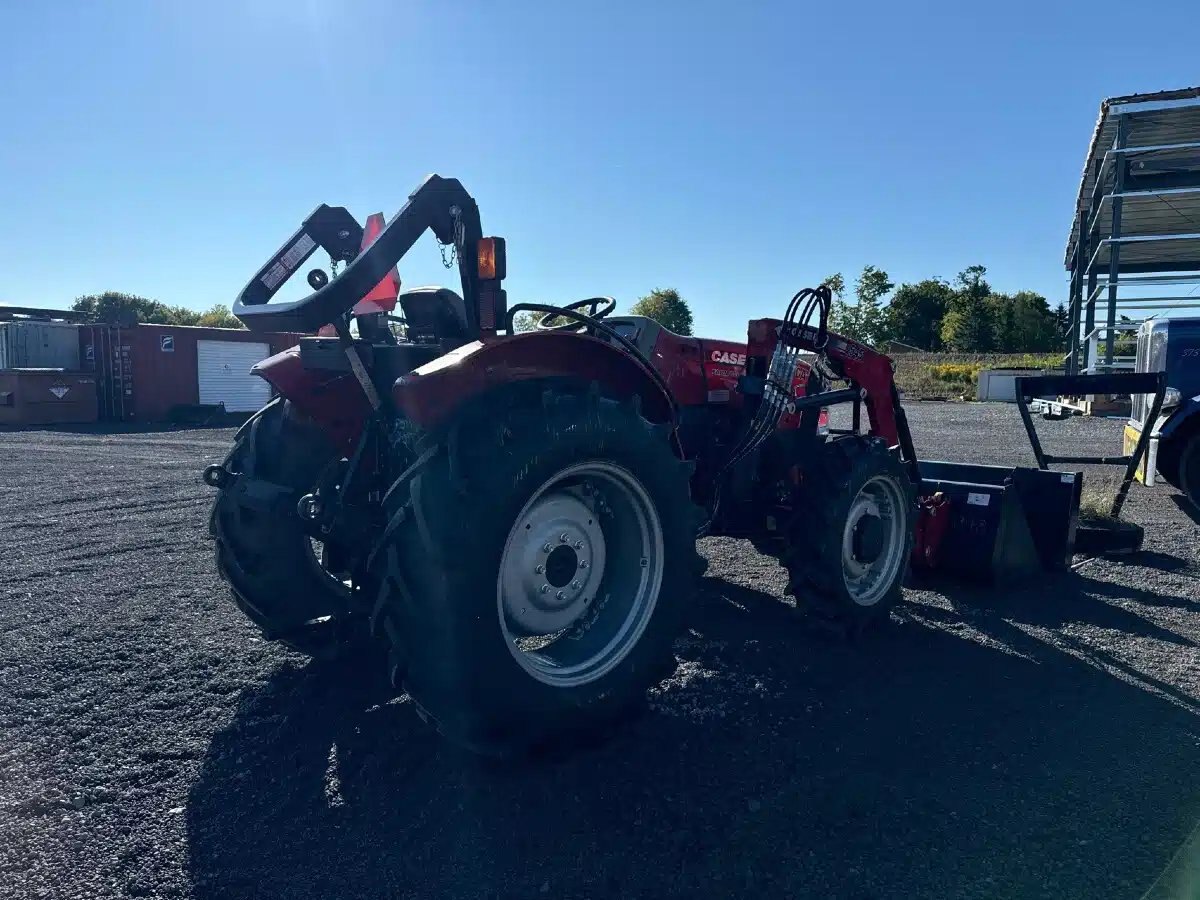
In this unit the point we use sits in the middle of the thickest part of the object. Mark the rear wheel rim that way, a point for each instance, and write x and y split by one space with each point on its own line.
580 574
874 540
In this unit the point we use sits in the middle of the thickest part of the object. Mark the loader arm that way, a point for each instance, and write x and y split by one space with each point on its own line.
868 371
871 372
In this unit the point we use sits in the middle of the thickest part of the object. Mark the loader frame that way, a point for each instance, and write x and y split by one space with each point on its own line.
1154 383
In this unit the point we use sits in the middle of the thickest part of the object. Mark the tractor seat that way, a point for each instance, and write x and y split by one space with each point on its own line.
434 314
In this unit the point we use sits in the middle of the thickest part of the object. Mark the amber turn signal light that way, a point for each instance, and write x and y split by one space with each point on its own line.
491 259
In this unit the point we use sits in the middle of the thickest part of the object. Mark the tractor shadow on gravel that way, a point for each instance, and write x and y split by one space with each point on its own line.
953 752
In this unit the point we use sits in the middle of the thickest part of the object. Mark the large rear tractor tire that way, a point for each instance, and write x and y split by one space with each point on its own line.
852 535
541 561
273 568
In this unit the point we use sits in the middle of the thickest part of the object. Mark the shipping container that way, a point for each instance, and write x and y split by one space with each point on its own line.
46 397
152 372
39 345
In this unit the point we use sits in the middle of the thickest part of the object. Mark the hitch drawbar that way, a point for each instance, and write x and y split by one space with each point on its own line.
218 477
254 493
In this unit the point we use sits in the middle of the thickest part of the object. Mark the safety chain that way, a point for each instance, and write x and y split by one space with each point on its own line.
449 259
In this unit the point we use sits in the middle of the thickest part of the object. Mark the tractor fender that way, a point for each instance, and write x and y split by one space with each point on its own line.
430 395
333 400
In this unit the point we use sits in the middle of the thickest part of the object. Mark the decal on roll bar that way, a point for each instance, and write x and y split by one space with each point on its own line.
299 250
283 267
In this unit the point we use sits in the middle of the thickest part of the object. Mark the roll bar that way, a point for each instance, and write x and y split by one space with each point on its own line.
440 204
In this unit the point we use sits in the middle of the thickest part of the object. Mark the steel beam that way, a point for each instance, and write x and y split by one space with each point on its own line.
1114 251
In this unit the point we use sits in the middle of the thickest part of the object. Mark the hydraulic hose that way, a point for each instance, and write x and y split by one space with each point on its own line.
781 374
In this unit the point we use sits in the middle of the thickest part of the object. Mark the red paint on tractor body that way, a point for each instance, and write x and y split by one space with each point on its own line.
428 395
334 400
698 371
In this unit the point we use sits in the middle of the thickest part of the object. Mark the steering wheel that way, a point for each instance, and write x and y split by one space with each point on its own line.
599 308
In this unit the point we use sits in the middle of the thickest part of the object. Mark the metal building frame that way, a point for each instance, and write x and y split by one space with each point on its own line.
1137 223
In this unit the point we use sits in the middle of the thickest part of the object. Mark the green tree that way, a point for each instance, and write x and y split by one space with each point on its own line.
863 320
968 327
118 308
1036 328
667 308
915 313
1062 324
836 284
1022 323
869 290
525 321
1004 322
175 315
219 316
1124 342
843 318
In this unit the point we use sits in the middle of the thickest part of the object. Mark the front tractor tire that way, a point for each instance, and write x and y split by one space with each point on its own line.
544 555
273 568
850 541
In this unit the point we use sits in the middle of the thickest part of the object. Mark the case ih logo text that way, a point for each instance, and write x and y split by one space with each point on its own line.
732 359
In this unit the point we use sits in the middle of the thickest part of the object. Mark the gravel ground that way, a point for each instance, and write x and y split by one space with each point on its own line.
1033 742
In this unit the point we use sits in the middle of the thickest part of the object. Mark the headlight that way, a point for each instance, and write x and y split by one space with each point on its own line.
1171 397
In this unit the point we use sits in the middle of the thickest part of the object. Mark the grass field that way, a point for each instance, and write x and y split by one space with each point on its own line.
955 375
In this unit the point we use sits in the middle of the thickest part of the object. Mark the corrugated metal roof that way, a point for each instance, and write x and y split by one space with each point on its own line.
1164 118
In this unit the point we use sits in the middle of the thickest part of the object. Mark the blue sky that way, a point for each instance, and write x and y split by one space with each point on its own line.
735 151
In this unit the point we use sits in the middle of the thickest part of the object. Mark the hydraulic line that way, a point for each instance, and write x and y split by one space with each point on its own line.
781 374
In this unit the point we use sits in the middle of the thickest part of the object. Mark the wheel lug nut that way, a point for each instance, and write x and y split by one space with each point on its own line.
575 584
579 545
546 548
564 537
561 595
545 588
539 569
583 564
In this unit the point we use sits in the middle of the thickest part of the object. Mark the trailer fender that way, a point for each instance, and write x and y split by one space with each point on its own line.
334 400
429 395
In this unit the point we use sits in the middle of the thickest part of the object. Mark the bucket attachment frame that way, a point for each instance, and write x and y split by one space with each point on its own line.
1154 383
1007 522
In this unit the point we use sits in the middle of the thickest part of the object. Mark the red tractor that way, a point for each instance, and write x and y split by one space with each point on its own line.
513 516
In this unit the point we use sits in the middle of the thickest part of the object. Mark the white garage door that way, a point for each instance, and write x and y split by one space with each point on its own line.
223 368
